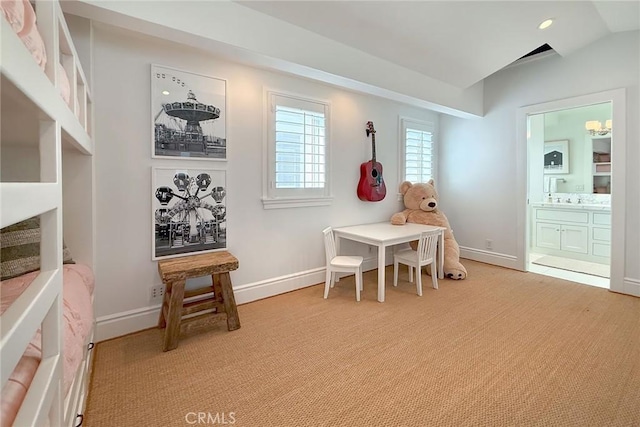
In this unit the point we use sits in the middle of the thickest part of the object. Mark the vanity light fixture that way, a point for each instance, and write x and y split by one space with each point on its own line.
595 127
545 24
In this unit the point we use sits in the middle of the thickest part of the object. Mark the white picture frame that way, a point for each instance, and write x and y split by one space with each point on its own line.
556 157
188 115
188 211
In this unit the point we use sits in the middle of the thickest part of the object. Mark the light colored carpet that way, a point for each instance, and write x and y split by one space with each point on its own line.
592 268
502 348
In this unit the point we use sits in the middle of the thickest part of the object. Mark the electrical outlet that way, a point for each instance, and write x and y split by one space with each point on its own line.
488 244
156 294
579 187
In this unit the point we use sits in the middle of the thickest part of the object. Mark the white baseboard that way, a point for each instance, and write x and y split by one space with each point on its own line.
489 257
631 286
119 324
127 322
278 285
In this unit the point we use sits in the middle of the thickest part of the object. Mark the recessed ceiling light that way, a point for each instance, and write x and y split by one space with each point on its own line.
165 92
545 24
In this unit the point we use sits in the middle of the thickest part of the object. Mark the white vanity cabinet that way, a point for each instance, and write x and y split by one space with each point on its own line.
572 231
572 238
601 235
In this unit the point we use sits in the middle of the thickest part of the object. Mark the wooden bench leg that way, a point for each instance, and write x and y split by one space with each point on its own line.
174 315
217 289
229 301
162 322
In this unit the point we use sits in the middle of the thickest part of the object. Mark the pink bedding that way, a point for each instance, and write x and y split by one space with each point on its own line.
78 319
65 86
13 11
22 19
31 37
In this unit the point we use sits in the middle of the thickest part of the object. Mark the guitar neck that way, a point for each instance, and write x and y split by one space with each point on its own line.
373 147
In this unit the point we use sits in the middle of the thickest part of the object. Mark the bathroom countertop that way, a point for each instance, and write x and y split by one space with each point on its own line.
564 205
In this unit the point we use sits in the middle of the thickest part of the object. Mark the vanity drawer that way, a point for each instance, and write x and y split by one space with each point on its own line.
565 216
602 218
603 234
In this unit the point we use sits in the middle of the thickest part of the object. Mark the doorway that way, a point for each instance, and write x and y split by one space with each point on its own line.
570 228
570 188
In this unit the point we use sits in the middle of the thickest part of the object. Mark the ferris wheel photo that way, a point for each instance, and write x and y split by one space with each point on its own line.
188 115
189 211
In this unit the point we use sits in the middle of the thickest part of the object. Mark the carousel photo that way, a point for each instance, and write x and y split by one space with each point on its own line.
189 211
188 115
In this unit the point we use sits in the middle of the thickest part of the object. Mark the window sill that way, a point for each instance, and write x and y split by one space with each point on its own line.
285 203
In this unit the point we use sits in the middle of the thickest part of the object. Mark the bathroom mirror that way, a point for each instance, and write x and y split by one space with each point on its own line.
586 165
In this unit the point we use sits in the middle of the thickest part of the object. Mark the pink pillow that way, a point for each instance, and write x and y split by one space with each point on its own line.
28 16
65 87
13 11
31 37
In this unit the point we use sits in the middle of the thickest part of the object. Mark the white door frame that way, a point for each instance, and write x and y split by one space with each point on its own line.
617 97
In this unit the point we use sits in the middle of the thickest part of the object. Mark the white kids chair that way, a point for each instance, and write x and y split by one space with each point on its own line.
425 255
340 264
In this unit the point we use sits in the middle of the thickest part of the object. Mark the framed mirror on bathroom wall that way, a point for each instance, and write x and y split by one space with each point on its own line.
576 159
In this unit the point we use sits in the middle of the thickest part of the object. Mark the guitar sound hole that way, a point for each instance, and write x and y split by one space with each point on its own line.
374 173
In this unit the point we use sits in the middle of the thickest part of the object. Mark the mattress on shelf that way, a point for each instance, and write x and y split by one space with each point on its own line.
78 286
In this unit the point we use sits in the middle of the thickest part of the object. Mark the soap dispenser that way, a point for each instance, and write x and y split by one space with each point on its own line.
549 199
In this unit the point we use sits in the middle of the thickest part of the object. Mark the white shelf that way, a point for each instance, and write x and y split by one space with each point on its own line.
601 179
21 200
19 68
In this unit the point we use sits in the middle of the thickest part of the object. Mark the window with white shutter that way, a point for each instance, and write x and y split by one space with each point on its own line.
418 154
298 152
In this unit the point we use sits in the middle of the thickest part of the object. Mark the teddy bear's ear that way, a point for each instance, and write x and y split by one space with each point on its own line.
431 182
405 186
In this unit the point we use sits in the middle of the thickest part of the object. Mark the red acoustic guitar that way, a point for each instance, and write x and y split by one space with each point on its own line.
371 187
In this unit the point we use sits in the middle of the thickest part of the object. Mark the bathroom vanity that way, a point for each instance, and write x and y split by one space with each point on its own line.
572 230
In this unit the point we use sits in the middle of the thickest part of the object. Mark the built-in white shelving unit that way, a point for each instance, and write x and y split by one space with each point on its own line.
37 124
599 157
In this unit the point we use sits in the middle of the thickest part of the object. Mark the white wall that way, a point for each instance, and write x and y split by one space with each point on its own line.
478 157
269 244
19 163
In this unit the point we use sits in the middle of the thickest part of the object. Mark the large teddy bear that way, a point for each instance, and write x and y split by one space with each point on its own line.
421 203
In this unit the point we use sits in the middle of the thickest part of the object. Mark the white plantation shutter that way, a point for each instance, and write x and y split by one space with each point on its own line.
298 148
418 151
418 155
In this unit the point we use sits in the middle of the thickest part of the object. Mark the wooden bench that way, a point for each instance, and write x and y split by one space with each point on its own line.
220 304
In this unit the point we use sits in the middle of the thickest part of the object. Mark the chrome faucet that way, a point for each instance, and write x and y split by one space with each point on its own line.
568 200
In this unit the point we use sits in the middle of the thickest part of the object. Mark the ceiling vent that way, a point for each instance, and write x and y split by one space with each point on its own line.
544 48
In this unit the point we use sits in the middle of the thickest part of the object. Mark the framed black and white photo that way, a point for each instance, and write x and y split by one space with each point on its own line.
556 157
188 115
189 211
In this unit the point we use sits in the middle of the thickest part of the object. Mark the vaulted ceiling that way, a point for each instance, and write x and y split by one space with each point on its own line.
456 42
431 54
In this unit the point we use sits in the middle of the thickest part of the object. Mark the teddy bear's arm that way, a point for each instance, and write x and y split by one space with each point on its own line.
400 218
